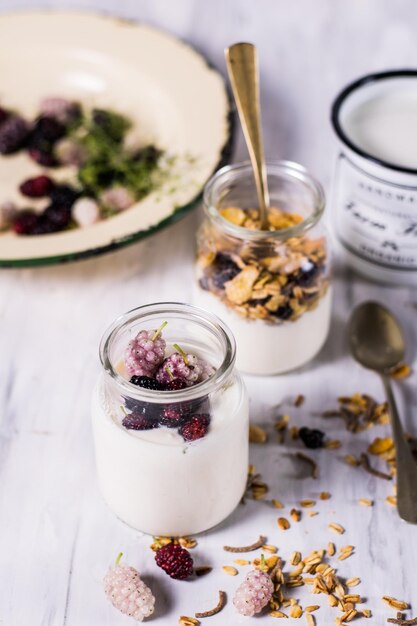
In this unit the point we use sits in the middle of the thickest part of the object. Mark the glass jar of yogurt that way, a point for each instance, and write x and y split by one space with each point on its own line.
171 446
270 286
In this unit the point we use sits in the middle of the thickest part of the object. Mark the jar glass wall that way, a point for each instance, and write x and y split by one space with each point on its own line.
270 286
155 479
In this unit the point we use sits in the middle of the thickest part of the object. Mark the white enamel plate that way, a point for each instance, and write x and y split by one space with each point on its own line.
174 98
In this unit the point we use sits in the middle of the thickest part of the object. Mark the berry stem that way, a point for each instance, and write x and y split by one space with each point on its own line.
118 558
170 374
159 331
181 351
262 563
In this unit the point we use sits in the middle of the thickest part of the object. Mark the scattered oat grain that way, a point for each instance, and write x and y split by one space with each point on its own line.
366 502
325 495
231 571
283 523
337 528
257 434
307 503
310 619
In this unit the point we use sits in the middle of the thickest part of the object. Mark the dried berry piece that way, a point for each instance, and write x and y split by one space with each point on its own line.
311 437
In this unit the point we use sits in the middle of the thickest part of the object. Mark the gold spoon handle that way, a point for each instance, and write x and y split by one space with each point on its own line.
242 67
406 466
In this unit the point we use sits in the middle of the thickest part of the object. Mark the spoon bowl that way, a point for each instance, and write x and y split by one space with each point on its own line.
376 339
377 343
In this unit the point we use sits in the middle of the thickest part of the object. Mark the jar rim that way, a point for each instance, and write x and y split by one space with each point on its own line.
344 95
205 318
293 171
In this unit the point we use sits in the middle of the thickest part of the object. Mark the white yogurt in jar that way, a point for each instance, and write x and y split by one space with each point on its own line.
266 348
375 184
161 485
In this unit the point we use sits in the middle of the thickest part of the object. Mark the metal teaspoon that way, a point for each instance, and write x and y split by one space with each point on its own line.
377 343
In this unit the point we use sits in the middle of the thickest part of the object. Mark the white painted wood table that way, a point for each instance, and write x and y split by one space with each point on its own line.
57 537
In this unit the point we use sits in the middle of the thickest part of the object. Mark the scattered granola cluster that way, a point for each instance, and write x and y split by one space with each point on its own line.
269 280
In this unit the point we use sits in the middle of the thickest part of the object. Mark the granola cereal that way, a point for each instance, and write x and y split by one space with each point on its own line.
276 280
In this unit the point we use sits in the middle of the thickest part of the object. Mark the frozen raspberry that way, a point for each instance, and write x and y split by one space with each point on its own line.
146 383
254 593
14 132
138 421
117 198
85 212
61 109
145 353
36 187
196 427
186 367
24 222
311 437
127 592
175 561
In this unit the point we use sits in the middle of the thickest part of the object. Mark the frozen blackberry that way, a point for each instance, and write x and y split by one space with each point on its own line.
138 421
145 352
47 129
44 226
64 195
195 428
146 383
175 561
37 187
14 132
59 216
311 437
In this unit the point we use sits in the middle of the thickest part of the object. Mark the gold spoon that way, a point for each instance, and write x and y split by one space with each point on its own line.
378 344
242 67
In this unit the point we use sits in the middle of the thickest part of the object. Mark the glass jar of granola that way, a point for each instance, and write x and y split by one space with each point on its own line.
270 286
170 420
